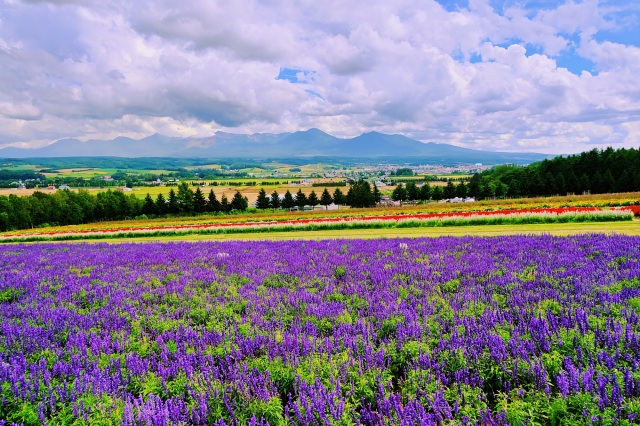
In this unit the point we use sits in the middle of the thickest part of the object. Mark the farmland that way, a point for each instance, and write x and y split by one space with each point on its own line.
464 330
300 224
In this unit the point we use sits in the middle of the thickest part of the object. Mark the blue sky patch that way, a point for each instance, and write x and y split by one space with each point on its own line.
454 5
314 93
295 75
575 63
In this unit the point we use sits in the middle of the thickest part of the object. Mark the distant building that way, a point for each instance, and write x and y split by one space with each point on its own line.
64 187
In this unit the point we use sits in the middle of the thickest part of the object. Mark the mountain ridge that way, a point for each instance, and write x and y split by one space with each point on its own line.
307 143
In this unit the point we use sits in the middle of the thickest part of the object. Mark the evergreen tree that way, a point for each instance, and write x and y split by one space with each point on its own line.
301 199
263 201
173 202
274 202
185 199
437 193
461 190
425 192
474 187
224 204
360 194
288 202
377 196
607 182
199 203
412 191
399 193
339 198
449 190
238 202
325 198
213 205
149 207
161 205
313 199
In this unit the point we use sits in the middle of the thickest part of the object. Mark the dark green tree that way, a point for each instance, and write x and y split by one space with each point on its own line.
185 199
449 190
224 204
399 193
437 193
461 190
213 205
301 199
377 196
149 207
199 202
263 201
161 205
360 195
172 205
274 201
288 202
425 192
238 202
339 198
313 199
412 191
325 198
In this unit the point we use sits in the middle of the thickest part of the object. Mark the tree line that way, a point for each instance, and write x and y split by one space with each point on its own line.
360 194
595 172
592 172
65 207
425 192
72 208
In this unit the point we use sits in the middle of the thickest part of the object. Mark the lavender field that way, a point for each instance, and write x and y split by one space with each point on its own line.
510 330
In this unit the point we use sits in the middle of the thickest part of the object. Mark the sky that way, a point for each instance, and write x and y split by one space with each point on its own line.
548 76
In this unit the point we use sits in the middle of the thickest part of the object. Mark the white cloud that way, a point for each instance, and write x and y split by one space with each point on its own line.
102 69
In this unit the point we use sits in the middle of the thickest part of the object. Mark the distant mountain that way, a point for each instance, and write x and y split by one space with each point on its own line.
309 143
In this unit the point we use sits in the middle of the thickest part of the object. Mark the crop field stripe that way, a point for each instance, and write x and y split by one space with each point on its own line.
559 229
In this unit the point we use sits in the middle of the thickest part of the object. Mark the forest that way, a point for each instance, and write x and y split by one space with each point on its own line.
592 172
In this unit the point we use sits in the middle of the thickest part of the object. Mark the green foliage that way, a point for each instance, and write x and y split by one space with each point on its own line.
595 172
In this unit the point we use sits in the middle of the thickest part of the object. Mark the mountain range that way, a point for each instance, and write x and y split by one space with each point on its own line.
309 143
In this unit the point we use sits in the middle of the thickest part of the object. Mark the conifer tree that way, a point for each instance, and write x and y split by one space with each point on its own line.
224 204
301 199
313 199
149 207
173 202
199 203
263 201
288 202
338 197
213 205
325 198
274 203
238 202
161 205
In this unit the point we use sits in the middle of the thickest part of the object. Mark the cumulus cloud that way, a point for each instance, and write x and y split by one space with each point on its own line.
478 76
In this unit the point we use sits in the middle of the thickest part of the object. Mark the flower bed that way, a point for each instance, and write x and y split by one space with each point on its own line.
521 216
505 330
